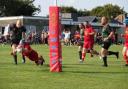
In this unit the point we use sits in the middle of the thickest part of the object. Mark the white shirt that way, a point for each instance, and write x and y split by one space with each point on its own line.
67 35
6 30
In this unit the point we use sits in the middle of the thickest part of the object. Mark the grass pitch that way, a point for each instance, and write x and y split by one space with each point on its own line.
88 75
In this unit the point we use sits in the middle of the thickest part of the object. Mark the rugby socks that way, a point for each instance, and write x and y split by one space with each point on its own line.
83 56
15 59
105 61
113 53
23 58
80 55
126 59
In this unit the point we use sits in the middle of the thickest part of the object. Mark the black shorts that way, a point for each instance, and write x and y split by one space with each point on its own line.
15 41
106 44
80 43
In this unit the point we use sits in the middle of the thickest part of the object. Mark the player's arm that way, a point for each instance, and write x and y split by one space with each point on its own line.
110 35
27 48
23 33
99 36
82 34
93 32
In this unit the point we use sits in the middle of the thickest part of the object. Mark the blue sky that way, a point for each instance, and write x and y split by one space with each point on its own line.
79 4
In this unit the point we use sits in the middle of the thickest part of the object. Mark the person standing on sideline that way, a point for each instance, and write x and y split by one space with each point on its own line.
67 37
6 33
42 38
17 34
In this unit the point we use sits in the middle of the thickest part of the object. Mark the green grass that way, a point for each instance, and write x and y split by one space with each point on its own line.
89 75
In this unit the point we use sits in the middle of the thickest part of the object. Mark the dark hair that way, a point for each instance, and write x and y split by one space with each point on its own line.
82 25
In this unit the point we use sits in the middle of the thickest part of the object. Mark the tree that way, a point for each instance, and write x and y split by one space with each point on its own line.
18 7
83 12
97 11
68 9
108 10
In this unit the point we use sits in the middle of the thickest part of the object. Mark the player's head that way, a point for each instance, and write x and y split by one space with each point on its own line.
41 60
18 23
81 25
22 42
86 24
104 20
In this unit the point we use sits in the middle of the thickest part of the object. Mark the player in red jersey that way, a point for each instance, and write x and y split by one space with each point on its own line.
125 48
28 52
88 41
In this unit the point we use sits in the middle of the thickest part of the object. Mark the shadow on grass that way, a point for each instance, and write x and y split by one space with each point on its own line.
96 72
78 65
75 67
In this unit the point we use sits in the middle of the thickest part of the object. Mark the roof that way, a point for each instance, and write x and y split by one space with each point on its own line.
8 20
116 22
97 24
23 17
92 19
87 18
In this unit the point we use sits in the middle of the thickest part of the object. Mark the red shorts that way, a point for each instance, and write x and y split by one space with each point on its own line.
33 55
126 51
126 45
88 45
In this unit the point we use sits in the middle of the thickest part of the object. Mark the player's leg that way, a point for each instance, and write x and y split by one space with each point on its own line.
84 50
14 54
68 42
80 52
104 56
92 51
83 54
65 40
33 56
125 55
41 60
23 58
114 53
80 47
104 52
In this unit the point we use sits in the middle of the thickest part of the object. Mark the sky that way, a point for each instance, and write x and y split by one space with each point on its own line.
78 4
